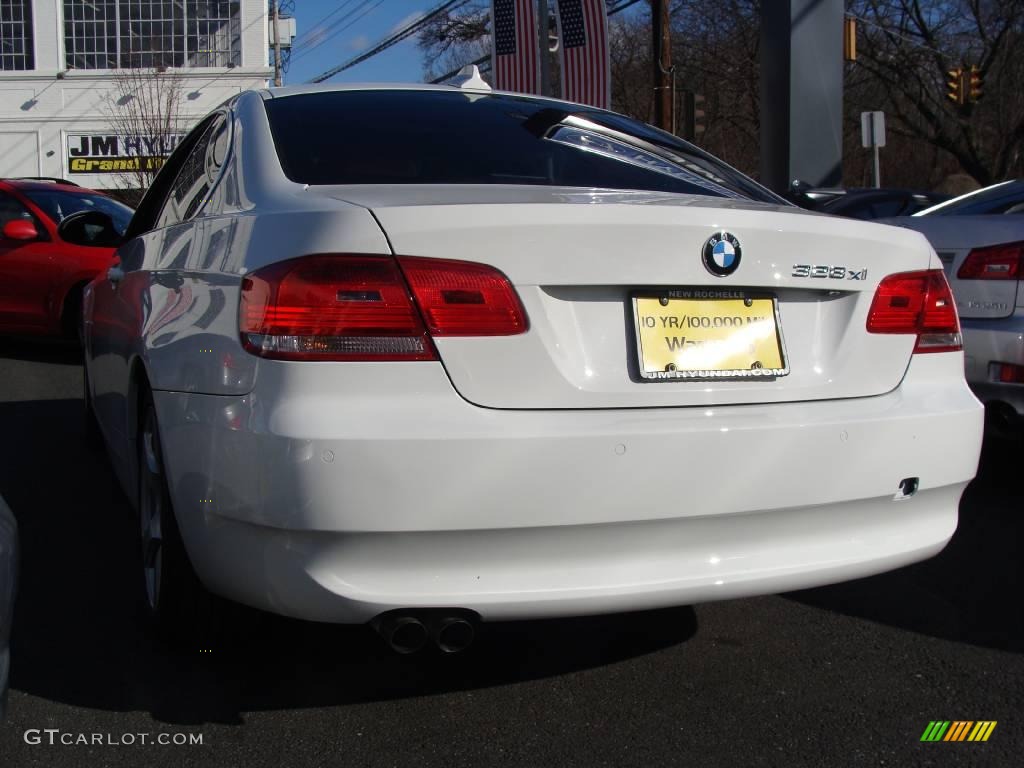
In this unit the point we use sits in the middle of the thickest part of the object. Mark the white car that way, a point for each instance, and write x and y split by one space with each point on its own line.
424 356
979 238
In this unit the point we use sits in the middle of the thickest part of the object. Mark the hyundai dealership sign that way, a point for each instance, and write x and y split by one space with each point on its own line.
114 153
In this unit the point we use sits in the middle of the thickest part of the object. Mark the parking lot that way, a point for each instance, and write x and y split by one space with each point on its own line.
844 675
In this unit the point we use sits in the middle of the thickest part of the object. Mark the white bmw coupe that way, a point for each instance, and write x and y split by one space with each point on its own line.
428 356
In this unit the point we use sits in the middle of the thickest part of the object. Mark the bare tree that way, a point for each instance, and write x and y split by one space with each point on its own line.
462 35
629 51
715 50
455 38
715 55
146 114
905 51
905 48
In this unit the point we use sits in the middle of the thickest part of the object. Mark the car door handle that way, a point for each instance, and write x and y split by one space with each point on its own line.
115 275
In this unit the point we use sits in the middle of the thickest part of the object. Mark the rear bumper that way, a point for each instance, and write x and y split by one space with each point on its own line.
342 496
994 341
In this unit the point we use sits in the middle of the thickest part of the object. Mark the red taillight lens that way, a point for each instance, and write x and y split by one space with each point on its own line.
919 303
354 307
460 298
1007 373
997 262
332 307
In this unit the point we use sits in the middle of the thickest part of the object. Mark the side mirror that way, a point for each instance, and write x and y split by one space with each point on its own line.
93 229
20 229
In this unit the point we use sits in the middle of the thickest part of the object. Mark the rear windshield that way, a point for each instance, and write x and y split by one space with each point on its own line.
451 137
58 205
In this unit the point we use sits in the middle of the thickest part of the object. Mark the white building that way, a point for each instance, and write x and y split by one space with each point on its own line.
59 82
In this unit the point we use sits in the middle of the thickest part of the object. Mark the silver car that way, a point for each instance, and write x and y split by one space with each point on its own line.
980 239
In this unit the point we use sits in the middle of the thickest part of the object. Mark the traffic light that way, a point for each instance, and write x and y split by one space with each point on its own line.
974 83
956 93
698 114
693 115
849 38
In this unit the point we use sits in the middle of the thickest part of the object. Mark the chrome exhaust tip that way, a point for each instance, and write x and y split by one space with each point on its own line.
454 634
404 634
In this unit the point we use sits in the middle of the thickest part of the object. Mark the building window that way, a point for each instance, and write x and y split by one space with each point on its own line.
90 34
16 51
129 34
214 32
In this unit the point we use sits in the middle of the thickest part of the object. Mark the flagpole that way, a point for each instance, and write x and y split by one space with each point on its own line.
663 71
542 41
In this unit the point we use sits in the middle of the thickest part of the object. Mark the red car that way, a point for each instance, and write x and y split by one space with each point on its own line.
41 276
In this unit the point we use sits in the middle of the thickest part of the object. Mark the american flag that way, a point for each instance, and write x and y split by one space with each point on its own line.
583 30
515 56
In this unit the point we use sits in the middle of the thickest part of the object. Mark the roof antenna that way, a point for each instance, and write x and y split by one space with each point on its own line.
469 79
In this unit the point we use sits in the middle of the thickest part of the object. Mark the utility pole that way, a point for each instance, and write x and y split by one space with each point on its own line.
277 45
543 14
663 72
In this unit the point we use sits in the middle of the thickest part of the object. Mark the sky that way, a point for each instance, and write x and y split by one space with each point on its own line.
358 25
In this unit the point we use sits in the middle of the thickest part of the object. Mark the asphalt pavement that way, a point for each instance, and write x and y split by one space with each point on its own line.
846 675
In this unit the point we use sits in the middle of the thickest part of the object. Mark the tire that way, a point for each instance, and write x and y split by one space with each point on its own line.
180 610
93 436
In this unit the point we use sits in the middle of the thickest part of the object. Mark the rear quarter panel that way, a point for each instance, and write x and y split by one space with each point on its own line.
189 335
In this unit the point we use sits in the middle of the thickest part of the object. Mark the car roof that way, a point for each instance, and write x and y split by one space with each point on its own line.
1009 187
293 90
307 88
64 186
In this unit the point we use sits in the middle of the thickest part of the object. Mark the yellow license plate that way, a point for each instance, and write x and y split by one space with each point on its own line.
706 334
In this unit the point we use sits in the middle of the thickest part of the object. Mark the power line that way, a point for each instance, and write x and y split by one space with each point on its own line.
893 33
366 9
622 6
305 37
397 37
339 25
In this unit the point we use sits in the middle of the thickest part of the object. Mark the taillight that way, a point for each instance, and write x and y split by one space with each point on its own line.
1007 373
996 262
919 303
332 307
461 298
354 307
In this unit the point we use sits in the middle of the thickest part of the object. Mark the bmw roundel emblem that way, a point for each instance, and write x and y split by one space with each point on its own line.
722 254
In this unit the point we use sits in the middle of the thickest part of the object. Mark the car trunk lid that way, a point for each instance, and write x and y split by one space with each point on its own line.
579 258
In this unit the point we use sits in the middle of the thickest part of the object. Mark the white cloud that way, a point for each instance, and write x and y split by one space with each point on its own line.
406 21
359 42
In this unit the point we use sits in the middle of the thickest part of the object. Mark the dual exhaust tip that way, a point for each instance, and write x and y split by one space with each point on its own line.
408 632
